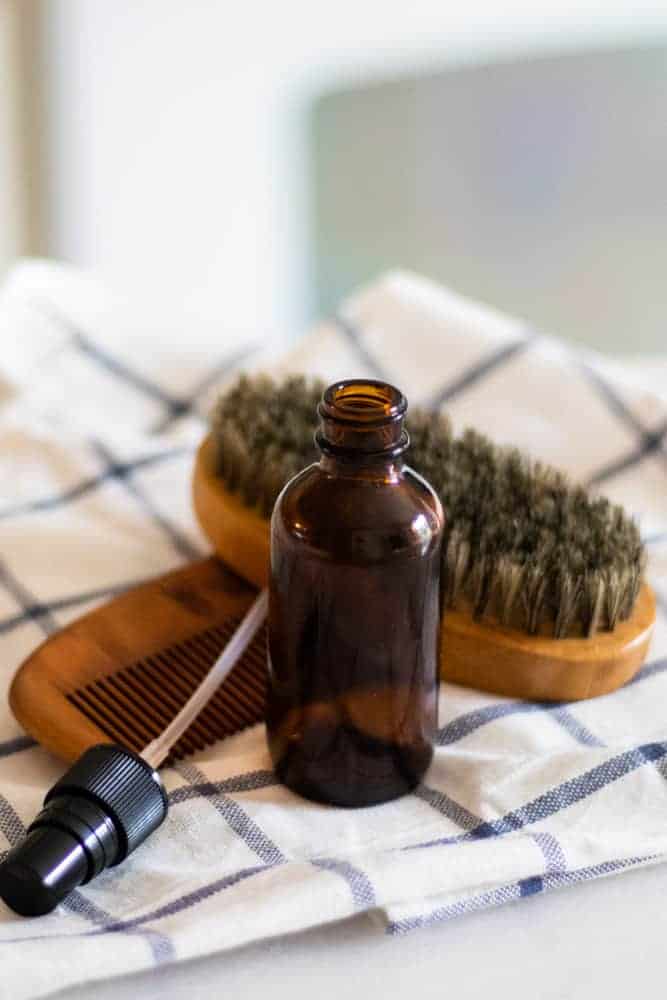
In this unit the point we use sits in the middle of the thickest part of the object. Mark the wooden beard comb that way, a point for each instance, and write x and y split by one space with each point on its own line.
121 673
543 587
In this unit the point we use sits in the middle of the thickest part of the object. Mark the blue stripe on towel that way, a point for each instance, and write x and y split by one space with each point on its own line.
561 797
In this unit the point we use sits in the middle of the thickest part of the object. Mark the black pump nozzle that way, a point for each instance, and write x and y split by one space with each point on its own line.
107 804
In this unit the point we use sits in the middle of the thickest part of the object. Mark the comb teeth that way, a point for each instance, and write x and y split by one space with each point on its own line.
133 705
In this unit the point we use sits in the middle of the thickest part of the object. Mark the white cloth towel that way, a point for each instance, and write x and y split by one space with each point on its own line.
98 422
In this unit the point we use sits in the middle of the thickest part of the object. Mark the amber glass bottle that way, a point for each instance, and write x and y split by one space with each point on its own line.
354 608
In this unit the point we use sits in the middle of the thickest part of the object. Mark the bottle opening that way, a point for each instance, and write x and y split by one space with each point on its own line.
364 401
362 415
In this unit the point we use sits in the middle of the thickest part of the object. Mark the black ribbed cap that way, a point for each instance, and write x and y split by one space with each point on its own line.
124 786
107 804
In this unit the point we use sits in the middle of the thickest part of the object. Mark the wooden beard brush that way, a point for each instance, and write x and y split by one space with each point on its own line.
543 593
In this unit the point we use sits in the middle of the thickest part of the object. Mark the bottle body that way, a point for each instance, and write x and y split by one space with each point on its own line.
354 624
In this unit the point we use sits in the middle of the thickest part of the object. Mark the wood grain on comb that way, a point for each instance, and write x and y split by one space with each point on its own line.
122 672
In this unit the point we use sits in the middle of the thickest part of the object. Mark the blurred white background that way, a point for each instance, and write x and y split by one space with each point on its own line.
170 145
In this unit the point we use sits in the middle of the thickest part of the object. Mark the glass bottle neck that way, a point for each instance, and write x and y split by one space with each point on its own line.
361 427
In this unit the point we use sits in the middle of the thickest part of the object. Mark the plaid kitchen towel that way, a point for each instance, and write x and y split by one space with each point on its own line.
99 417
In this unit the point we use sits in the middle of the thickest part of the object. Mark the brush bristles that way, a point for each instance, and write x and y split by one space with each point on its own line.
263 432
523 546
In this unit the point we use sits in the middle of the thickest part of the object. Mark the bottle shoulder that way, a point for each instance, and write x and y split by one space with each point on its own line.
345 513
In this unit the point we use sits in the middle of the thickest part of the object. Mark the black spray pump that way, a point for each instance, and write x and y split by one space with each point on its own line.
107 804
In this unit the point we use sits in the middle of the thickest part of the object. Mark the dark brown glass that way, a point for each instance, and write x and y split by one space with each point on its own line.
354 609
